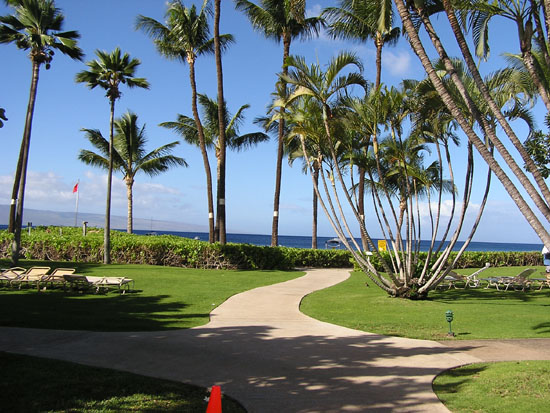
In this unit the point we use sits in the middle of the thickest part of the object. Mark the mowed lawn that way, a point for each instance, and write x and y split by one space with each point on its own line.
165 298
478 313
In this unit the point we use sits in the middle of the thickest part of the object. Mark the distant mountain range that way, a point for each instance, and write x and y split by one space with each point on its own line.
40 217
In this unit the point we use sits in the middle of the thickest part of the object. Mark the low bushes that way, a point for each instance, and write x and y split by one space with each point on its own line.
68 244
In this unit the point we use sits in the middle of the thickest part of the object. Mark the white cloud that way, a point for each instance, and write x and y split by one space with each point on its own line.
48 191
314 10
397 63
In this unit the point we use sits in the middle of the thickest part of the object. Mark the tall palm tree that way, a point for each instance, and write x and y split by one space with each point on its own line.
35 26
282 21
129 156
304 121
109 71
185 37
361 20
407 17
185 126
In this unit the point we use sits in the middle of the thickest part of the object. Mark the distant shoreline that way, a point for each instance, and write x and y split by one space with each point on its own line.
303 241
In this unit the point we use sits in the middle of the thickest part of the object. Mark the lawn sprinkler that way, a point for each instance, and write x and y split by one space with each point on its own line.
449 316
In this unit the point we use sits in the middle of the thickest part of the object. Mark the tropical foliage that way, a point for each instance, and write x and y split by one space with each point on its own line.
36 26
109 71
282 21
129 154
185 37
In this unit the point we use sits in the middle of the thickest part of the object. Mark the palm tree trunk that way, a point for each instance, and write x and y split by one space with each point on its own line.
15 190
315 206
107 231
492 105
204 153
24 158
418 48
541 204
280 153
129 185
221 120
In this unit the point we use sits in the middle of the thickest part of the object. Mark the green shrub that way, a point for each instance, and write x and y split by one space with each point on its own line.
68 244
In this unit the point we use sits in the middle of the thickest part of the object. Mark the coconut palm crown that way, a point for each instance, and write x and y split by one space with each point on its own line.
36 26
129 154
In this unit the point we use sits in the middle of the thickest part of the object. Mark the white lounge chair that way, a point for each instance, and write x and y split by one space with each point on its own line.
99 283
30 276
520 281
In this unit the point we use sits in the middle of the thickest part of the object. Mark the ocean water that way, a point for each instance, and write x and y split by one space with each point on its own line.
296 241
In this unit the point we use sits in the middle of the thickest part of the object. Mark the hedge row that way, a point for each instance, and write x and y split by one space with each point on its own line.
68 244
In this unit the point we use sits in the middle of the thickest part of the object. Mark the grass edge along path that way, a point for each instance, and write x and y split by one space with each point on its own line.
165 298
496 387
478 313
31 384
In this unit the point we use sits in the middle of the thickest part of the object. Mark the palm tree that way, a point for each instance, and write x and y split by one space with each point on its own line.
281 21
129 156
304 121
35 26
407 16
362 20
186 36
109 71
185 126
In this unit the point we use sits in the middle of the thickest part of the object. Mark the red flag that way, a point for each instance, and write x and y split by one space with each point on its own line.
75 189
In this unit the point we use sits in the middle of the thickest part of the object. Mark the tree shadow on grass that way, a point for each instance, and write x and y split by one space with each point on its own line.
30 384
542 328
451 381
57 309
481 294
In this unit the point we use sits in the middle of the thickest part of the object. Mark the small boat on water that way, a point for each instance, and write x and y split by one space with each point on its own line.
333 243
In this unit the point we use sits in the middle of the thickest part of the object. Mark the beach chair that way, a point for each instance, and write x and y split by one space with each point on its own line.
458 281
82 282
57 277
31 276
520 281
542 281
11 274
122 284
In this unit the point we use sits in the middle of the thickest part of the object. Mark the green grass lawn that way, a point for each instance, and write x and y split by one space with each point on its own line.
496 387
165 298
32 384
478 313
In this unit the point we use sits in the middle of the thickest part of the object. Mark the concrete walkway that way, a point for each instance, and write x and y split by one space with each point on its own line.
268 355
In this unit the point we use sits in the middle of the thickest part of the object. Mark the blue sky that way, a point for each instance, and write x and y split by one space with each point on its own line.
250 67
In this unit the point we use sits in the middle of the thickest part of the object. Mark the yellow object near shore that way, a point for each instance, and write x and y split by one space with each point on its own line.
382 245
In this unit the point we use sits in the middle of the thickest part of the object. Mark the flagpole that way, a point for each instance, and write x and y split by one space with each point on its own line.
76 208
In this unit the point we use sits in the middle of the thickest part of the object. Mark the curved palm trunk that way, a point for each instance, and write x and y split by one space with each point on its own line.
129 186
418 48
221 181
24 158
280 153
455 26
107 231
202 145
315 206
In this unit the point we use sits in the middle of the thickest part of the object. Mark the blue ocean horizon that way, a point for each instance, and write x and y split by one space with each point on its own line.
301 241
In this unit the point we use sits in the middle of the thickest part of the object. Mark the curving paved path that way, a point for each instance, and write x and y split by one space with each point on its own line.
268 355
